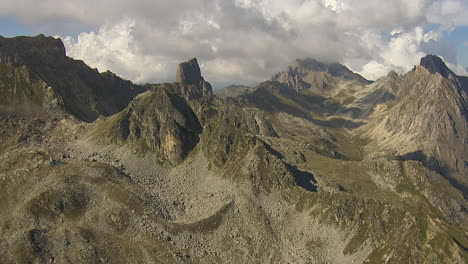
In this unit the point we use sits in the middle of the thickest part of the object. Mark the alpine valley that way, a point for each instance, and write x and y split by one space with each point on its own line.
315 165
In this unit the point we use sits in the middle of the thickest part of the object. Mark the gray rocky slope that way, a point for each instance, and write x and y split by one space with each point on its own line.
173 174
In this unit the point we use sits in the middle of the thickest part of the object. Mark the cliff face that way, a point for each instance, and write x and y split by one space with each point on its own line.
85 93
23 94
193 86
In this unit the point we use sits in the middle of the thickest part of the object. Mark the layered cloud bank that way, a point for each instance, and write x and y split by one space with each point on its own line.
246 41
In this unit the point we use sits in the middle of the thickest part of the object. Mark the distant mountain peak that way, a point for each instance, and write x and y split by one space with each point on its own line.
322 78
314 65
309 63
435 64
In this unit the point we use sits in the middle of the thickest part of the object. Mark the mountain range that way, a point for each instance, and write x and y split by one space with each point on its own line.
315 165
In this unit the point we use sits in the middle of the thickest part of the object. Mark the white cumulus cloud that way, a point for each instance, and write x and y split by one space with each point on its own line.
116 48
400 52
246 41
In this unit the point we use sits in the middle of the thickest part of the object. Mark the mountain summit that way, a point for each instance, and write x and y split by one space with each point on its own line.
318 77
435 64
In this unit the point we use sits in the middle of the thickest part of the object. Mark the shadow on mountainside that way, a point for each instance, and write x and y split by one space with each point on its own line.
303 179
274 97
337 122
434 165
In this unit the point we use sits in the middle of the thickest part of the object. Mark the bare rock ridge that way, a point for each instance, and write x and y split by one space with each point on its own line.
31 50
194 86
435 64
85 93
427 121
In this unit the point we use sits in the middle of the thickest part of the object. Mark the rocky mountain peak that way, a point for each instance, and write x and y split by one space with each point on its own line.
334 69
318 77
189 72
309 64
193 85
435 64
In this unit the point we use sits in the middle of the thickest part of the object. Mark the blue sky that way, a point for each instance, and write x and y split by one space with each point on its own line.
246 41
10 27
459 37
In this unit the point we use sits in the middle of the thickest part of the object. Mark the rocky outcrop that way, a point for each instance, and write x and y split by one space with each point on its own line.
230 129
189 72
85 92
193 86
